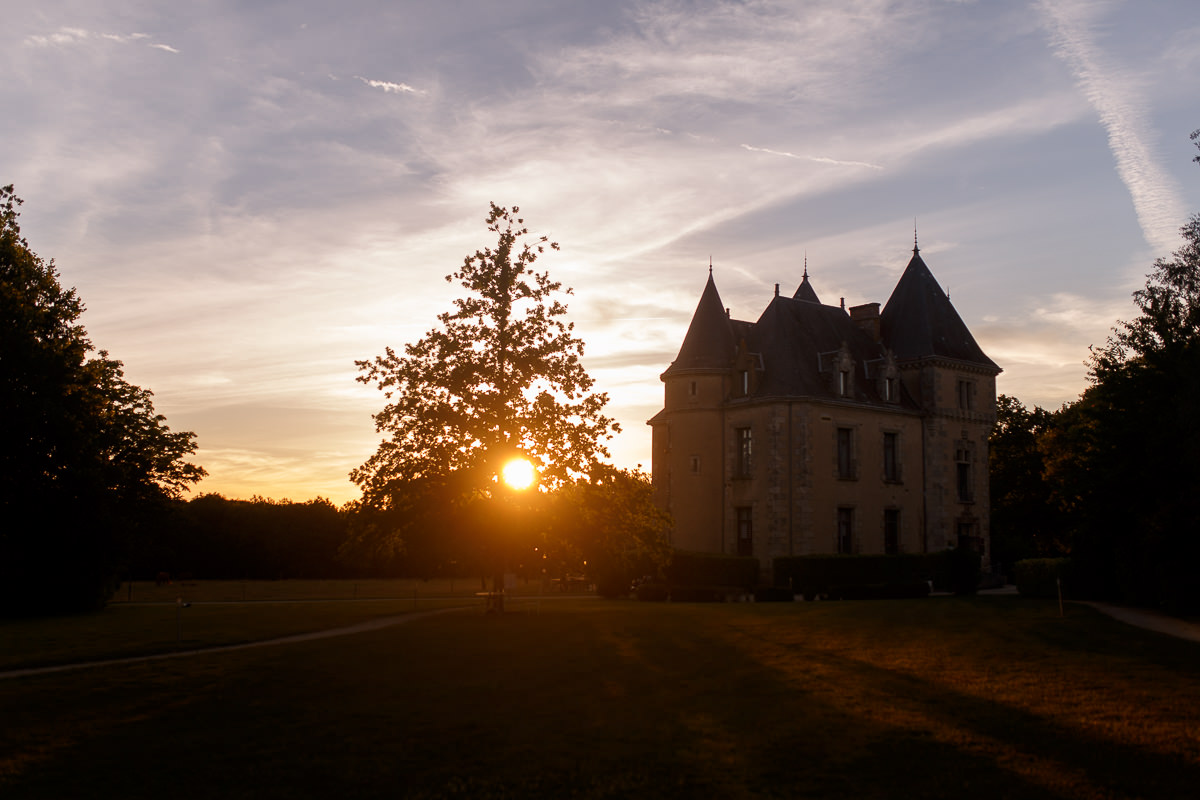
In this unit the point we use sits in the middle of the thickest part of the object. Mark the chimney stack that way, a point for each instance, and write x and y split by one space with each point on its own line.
866 317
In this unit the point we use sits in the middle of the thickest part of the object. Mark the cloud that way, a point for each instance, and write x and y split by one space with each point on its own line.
388 86
815 159
1113 93
67 36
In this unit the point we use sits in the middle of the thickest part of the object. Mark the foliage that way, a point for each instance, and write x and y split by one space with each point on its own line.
81 447
1120 461
610 528
502 373
1039 577
1024 521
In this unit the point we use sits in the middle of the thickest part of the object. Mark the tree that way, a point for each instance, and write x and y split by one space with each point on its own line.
1121 460
500 375
610 528
82 453
1024 524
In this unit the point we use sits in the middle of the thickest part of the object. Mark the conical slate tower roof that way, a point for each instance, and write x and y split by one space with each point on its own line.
806 291
919 322
709 343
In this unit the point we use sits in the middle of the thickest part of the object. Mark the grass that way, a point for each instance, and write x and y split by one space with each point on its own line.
988 697
152 623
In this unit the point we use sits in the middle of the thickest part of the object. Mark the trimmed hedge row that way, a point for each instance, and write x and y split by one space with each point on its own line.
1038 577
707 569
879 576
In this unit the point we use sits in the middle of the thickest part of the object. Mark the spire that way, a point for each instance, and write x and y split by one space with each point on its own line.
805 290
709 342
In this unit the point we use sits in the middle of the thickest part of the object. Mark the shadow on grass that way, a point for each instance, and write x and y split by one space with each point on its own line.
596 701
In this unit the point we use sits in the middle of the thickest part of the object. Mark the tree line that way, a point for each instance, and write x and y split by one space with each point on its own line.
607 529
92 480
1110 479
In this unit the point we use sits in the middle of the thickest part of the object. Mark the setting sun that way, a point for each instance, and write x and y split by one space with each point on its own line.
519 473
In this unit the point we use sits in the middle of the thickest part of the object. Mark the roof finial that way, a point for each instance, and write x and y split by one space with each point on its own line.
710 265
805 276
915 248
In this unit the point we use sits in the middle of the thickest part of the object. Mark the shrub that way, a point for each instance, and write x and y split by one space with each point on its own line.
706 569
1038 577
965 570
697 594
653 592
882 591
773 594
820 574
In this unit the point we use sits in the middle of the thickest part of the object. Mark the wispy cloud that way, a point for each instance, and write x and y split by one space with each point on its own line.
68 36
814 159
1113 92
389 86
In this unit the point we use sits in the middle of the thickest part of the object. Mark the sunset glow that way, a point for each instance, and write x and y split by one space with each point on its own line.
519 473
248 202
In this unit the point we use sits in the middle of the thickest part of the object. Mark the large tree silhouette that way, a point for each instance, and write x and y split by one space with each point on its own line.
501 374
83 454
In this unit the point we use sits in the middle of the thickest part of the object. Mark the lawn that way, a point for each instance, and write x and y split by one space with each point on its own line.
944 697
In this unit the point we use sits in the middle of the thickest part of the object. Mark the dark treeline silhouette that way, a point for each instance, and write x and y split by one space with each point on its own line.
85 462
1110 479
214 537
606 529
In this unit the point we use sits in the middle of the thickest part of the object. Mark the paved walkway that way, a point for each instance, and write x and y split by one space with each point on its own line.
1150 620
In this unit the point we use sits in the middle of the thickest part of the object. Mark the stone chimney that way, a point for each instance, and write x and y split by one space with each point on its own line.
866 317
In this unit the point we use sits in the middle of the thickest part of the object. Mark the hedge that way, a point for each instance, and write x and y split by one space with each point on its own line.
819 574
707 569
1038 577
877 575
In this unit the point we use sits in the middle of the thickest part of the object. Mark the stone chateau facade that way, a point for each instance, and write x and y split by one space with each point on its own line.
818 429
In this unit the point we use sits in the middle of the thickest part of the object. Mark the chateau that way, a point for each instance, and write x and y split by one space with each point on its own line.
818 429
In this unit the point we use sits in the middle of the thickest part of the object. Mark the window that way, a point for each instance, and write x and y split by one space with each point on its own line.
962 459
889 390
966 395
845 530
891 457
845 453
692 389
745 531
744 379
745 453
695 465
844 383
891 531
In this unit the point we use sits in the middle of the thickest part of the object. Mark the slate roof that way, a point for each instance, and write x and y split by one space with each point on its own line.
919 322
799 340
805 291
709 343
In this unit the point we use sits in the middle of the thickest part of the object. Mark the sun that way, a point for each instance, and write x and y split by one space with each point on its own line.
519 473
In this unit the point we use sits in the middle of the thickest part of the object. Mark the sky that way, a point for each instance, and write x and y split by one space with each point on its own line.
251 196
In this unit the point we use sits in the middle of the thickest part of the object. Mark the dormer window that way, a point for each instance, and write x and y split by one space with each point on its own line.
889 390
844 383
744 379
